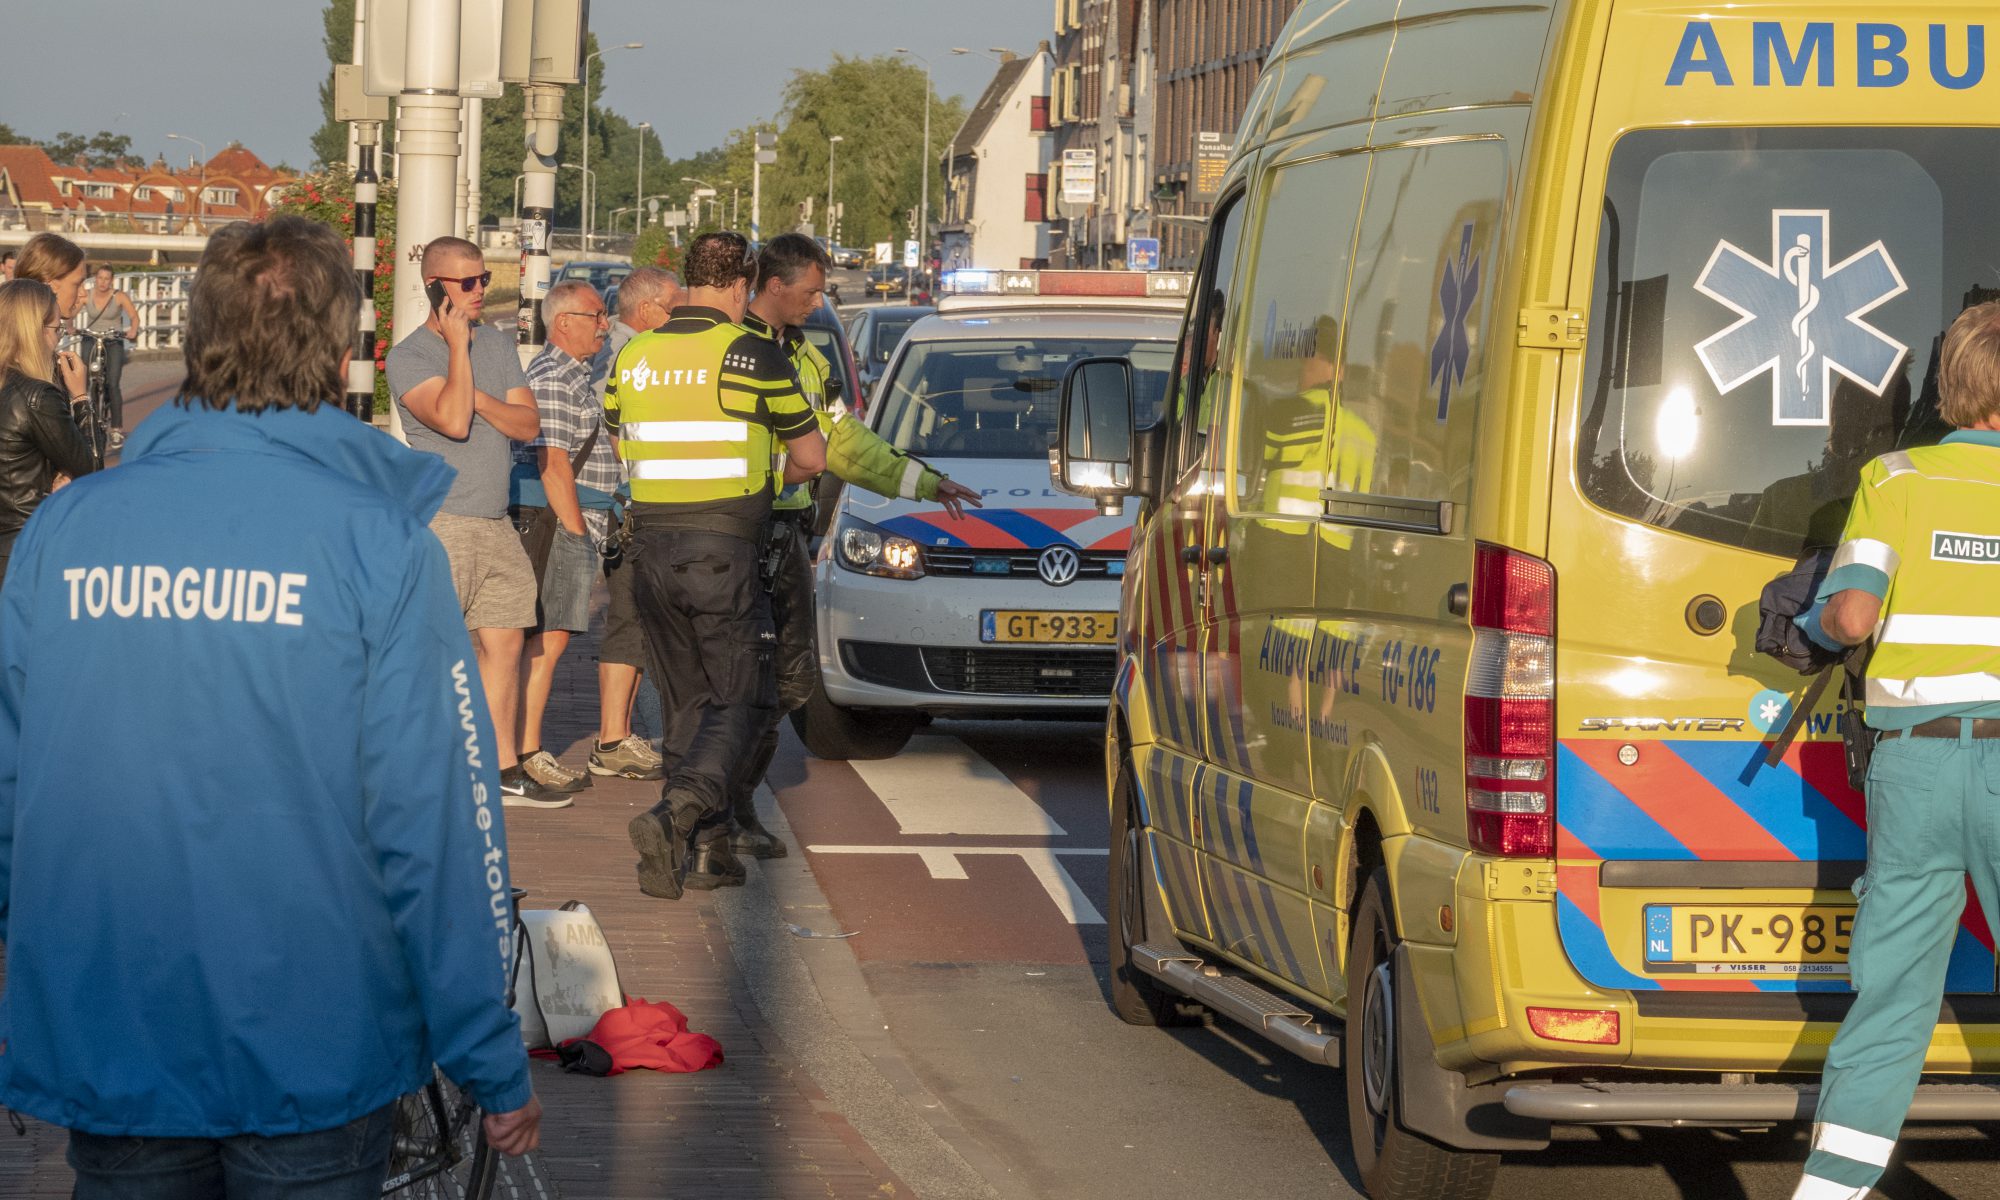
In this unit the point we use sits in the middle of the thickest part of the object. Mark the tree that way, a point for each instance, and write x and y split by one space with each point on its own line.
329 141
327 196
876 105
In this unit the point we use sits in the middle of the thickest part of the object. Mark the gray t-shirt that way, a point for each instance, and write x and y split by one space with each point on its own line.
484 456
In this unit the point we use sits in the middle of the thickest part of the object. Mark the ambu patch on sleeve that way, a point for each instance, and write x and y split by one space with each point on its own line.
1964 547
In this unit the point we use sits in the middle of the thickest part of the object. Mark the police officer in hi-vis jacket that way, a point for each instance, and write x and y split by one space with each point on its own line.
1915 571
704 407
791 278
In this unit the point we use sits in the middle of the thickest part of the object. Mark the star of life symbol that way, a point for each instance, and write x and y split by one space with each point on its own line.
1456 294
1800 318
1769 712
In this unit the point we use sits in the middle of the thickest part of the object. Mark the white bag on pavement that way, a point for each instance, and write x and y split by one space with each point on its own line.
568 978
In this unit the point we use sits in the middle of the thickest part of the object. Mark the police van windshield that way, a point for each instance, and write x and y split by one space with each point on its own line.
1743 367
999 399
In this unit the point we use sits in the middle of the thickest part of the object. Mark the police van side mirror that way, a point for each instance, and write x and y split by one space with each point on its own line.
1093 451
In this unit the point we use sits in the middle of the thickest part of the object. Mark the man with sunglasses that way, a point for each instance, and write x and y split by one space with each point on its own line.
463 396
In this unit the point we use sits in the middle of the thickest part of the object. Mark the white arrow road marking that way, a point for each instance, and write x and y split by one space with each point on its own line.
1042 862
939 786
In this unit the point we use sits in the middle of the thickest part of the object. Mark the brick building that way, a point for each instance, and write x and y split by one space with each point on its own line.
39 193
1207 55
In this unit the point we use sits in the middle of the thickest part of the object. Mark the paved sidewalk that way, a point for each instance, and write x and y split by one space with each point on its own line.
757 1127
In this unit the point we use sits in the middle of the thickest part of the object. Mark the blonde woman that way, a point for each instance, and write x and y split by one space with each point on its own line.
39 440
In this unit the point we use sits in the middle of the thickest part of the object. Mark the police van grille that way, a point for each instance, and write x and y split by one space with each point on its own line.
957 561
1056 674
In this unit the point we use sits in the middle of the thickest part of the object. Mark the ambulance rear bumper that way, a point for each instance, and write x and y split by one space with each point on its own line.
1620 1103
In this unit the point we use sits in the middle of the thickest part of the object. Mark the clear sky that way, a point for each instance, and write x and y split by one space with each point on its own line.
249 70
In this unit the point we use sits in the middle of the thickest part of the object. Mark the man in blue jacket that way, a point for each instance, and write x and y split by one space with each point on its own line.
243 924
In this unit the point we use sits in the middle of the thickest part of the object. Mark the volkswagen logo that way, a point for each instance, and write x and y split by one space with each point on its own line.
1058 565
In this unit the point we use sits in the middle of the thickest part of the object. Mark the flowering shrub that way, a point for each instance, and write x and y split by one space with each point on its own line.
328 197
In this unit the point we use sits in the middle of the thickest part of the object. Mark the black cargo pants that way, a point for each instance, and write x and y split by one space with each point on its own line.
796 661
709 634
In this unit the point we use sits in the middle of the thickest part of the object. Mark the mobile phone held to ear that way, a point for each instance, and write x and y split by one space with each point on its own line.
435 290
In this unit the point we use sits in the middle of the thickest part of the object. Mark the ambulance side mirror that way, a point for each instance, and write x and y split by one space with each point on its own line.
1092 455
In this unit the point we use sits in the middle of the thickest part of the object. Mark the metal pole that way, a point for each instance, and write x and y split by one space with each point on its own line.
354 127
639 218
427 130
474 164
589 203
830 143
924 162
361 372
464 157
538 195
756 196
735 206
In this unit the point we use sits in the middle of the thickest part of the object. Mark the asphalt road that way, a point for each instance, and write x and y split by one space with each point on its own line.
970 872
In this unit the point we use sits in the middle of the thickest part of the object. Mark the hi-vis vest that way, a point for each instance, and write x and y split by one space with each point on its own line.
1924 535
701 403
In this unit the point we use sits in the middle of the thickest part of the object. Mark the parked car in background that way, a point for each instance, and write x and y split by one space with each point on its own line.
887 279
848 256
602 274
874 332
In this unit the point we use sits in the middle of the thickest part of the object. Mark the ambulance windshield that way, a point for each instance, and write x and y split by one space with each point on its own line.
956 398
1766 318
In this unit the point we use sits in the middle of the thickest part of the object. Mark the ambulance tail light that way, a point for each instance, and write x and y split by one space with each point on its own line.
1510 700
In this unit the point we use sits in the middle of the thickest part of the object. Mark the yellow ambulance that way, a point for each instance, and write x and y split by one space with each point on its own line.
1529 341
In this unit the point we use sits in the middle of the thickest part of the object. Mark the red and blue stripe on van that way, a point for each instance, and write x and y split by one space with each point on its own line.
1691 800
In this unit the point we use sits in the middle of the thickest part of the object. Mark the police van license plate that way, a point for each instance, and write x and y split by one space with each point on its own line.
1748 939
1066 628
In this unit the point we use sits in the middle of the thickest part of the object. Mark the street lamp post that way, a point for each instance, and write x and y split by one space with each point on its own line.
200 196
644 128
712 198
589 186
924 161
590 193
831 142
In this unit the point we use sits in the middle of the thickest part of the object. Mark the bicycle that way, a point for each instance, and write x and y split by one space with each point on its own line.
95 415
438 1147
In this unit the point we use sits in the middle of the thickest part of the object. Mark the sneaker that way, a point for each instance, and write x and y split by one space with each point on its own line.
519 790
115 440
632 758
543 768
663 855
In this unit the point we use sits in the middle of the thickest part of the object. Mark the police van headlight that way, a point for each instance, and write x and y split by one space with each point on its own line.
862 547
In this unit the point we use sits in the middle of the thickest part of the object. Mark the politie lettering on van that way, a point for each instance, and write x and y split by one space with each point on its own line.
1527 343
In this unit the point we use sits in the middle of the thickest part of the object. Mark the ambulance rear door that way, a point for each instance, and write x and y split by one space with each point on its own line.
1769 254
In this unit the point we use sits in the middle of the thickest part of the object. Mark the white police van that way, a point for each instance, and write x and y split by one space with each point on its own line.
1012 610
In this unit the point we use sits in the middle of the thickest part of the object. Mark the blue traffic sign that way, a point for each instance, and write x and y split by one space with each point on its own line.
1143 254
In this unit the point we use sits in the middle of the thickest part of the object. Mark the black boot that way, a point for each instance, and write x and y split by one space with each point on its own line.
752 839
662 842
713 866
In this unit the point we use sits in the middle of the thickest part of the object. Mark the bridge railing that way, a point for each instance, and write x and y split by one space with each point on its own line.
161 298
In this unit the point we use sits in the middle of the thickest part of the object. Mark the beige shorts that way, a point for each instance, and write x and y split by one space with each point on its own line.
489 570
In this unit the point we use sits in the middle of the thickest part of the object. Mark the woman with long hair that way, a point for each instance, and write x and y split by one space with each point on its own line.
55 260
40 445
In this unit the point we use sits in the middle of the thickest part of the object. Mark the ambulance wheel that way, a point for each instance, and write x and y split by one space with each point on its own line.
1136 997
832 732
1394 1163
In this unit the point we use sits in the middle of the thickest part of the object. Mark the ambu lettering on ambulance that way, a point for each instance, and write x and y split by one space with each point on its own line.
147 591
